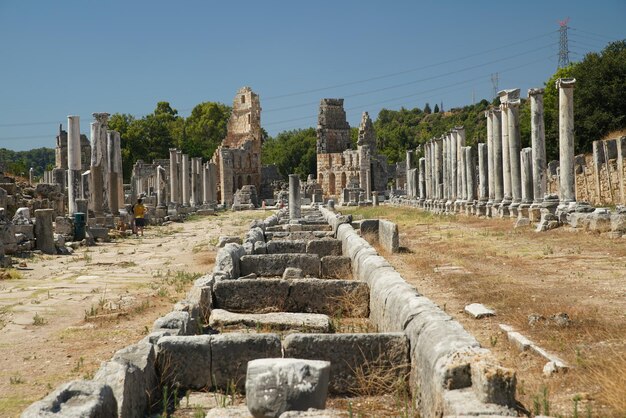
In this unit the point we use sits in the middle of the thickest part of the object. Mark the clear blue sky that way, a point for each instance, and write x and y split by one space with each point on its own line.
80 56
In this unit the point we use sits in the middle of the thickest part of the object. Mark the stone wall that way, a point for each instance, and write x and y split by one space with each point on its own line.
60 151
238 158
599 175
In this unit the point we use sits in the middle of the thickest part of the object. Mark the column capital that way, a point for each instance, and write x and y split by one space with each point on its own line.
565 83
101 117
513 103
535 92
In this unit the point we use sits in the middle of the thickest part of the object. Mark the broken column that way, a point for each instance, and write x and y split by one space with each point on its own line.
422 179
99 167
538 142
513 103
185 177
453 169
205 184
567 191
444 146
73 163
482 180
527 182
427 182
174 191
461 186
160 175
193 183
439 167
368 185
409 166
294 196
113 140
212 183
44 233
470 178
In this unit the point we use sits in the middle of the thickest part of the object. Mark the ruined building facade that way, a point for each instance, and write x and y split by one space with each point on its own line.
238 158
60 151
340 167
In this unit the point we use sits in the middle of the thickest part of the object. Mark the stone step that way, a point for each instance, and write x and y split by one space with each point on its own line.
272 322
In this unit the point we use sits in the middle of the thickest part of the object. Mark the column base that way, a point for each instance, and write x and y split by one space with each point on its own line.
481 208
503 209
534 212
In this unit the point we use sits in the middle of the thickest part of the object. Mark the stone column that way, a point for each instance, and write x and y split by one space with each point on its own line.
294 196
185 180
453 168
96 183
538 142
463 161
506 156
193 183
179 177
426 170
73 163
205 184
374 198
527 182
422 179
461 184
498 178
160 171
444 147
490 174
44 233
470 175
513 103
199 188
439 167
409 166
483 187
212 183
31 176
113 138
174 191
567 190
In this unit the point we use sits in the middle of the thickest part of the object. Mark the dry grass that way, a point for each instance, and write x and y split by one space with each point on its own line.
519 272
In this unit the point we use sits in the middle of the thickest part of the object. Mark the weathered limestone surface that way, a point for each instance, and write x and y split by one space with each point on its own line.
336 267
228 260
132 377
44 233
329 296
567 192
276 385
274 321
348 353
286 246
388 236
324 247
79 398
275 264
251 295
231 352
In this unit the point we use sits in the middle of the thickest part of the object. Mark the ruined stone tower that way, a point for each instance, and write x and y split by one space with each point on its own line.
238 158
333 131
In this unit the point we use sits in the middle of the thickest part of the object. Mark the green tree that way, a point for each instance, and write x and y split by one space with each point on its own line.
436 110
293 152
203 131
427 108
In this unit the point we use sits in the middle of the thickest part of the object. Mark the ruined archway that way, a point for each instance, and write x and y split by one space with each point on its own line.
331 184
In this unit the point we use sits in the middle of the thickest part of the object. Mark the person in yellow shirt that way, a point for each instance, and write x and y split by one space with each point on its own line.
139 211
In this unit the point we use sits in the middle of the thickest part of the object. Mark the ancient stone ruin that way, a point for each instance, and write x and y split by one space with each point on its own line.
344 173
499 179
238 159
271 322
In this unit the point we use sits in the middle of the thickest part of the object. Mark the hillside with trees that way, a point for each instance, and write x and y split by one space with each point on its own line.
20 162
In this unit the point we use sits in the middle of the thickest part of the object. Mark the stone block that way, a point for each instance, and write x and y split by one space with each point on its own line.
79 398
478 310
347 298
64 226
132 377
493 384
251 295
349 353
292 273
324 247
223 240
388 236
254 235
276 385
231 352
228 259
43 231
185 361
239 411
463 402
369 228
274 264
275 321
314 413
336 267
99 233
600 221
27 230
286 246
174 320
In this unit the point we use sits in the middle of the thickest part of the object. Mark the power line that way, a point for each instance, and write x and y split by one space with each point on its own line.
449 61
609 38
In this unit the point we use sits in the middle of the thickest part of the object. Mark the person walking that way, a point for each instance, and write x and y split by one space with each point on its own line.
139 212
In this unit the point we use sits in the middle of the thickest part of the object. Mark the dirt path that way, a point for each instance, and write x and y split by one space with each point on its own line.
67 314
460 260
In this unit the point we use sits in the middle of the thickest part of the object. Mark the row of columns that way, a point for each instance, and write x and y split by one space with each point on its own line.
510 181
191 182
